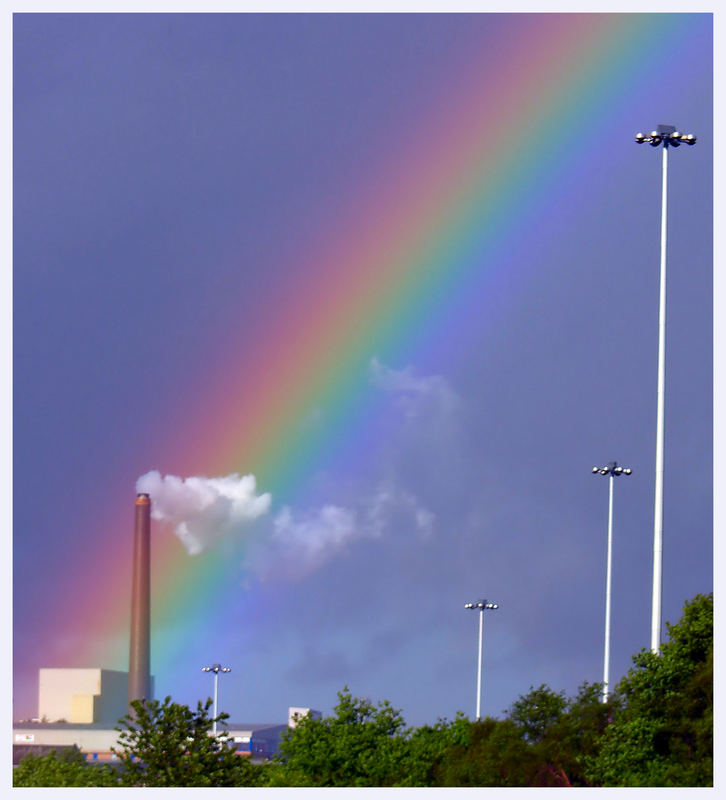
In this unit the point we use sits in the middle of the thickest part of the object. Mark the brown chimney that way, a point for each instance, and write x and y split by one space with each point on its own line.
139 661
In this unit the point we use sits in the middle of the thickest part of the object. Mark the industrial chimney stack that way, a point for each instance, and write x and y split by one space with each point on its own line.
139 661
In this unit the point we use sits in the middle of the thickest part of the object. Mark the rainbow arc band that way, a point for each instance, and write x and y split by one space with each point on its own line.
426 235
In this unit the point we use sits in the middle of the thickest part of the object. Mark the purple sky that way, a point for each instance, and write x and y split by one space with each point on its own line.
162 164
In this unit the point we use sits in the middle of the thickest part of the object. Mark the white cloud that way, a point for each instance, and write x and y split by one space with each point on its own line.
202 510
424 521
416 395
298 543
315 534
390 503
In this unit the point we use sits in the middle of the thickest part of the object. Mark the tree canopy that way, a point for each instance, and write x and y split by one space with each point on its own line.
655 730
66 767
168 744
360 745
663 733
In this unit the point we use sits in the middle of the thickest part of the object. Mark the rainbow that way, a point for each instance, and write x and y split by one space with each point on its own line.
435 224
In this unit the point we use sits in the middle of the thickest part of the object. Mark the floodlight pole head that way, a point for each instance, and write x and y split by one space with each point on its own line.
481 606
612 469
667 135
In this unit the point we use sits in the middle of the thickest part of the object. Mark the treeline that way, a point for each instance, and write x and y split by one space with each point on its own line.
655 730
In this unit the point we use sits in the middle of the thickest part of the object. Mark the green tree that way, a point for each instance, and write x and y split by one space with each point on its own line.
570 734
426 750
495 754
537 712
663 733
361 745
540 743
62 768
536 745
576 735
168 744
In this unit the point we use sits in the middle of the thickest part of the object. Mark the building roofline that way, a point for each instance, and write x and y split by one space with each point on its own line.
105 726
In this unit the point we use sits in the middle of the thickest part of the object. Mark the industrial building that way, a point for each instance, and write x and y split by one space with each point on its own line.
82 695
295 714
82 706
95 740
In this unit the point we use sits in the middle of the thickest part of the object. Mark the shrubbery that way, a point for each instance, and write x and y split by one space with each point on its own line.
655 730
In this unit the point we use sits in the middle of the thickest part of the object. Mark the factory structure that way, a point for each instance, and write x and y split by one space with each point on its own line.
82 706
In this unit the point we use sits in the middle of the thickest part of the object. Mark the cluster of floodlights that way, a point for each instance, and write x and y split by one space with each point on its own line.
481 606
215 668
668 137
612 469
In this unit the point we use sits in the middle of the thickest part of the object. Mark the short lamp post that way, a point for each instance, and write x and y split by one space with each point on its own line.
668 136
216 669
613 470
482 606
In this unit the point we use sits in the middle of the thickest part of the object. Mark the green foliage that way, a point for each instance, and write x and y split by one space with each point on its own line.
425 750
361 745
537 711
568 731
540 743
168 744
576 736
656 730
663 734
495 754
65 768
365 745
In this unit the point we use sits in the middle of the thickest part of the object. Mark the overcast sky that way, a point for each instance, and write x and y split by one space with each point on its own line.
177 180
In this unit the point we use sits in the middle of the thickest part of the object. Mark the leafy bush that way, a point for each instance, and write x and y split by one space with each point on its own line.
66 767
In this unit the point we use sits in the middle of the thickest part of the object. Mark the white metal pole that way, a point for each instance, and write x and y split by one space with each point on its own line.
478 677
606 664
658 512
214 724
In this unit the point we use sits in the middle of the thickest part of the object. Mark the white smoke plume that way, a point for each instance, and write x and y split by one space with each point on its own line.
203 510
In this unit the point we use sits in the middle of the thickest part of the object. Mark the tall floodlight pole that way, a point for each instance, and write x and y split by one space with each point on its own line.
668 136
216 669
613 470
483 606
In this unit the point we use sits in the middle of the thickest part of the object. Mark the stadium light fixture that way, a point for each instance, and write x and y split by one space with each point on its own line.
668 136
216 669
614 471
481 606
